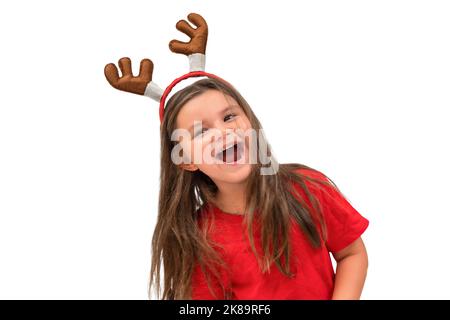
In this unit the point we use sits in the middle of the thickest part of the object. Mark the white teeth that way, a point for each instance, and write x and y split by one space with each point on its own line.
224 148
229 153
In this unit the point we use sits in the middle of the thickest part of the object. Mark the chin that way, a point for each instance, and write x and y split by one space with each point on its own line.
228 173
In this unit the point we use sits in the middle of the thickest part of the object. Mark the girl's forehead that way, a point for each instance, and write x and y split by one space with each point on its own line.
209 104
210 99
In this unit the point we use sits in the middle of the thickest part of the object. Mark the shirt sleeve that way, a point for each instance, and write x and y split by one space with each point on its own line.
343 222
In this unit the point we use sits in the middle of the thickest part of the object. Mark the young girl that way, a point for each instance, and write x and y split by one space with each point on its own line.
225 231
236 228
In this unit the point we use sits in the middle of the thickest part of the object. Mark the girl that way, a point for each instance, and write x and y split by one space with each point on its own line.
226 231
232 227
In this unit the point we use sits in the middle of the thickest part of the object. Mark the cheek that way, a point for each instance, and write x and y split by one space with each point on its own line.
248 124
199 151
243 123
186 151
189 149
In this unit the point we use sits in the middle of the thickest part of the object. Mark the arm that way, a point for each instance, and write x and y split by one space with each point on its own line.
351 270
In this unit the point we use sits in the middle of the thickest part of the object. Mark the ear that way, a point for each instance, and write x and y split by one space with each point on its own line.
188 166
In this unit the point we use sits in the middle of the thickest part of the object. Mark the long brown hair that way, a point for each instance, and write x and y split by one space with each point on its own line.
178 243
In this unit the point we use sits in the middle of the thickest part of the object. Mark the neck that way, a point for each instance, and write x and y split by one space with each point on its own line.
231 197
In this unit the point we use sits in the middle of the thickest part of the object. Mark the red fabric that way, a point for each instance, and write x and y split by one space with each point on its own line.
314 274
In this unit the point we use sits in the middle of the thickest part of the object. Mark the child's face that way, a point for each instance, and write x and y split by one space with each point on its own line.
216 144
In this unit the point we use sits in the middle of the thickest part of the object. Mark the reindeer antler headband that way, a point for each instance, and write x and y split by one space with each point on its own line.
195 50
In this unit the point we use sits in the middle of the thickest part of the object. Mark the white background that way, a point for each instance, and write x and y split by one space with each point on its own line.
357 89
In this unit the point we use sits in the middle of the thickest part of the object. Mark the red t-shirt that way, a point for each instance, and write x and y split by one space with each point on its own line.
314 274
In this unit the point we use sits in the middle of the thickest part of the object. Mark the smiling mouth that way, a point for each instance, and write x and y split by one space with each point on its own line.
232 154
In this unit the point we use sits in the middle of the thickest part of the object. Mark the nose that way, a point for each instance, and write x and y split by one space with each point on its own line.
227 129
228 137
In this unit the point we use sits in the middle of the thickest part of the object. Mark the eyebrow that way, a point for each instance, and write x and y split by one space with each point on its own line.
223 111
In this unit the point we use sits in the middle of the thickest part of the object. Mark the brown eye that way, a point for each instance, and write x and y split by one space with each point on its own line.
229 117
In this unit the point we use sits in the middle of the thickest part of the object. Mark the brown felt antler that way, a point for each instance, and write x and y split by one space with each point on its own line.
142 84
195 49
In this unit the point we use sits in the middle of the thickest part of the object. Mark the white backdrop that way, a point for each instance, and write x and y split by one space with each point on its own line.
357 89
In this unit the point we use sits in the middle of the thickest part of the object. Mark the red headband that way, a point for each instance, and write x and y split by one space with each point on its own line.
178 80
143 85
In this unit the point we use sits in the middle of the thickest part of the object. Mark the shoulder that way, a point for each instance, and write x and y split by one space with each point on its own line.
320 185
313 179
310 173
343 222
307 185
325 191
